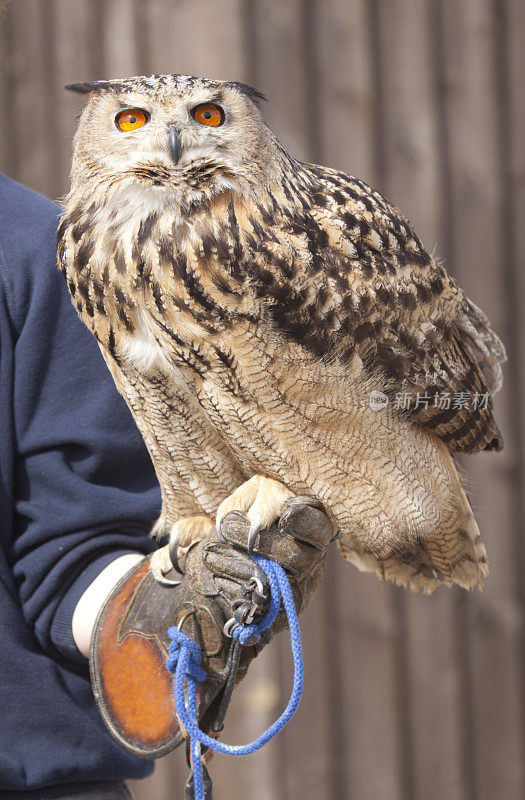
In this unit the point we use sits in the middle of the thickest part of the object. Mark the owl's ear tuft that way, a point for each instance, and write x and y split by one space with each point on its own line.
250 91
82 88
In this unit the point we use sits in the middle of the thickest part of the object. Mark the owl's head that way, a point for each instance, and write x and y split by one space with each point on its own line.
171 138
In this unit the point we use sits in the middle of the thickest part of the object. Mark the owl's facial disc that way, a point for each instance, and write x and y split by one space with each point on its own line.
172 139
184 147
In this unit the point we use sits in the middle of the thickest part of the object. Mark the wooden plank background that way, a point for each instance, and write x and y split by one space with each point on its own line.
407 697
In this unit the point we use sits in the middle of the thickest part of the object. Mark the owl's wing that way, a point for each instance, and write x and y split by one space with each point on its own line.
367 286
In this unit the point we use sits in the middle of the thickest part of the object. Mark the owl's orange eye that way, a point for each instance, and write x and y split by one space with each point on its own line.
209 114
131 119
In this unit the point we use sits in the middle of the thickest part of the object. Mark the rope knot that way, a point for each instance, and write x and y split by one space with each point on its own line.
180 643
245 634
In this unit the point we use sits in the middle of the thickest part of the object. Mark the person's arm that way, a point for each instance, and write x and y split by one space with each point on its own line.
84 491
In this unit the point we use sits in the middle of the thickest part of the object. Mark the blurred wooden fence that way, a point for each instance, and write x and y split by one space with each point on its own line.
406 697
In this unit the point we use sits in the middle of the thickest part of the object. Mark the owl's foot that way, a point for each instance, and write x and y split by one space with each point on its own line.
161 564
260 499
184 533
189 530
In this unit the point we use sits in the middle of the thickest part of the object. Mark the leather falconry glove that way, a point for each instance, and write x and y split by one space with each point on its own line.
218 583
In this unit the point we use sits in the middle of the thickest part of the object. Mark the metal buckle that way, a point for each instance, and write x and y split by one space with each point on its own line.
229 626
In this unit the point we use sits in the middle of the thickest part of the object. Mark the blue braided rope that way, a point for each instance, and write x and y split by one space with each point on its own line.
184 661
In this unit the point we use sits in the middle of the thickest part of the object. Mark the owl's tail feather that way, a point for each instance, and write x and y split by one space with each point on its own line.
458 557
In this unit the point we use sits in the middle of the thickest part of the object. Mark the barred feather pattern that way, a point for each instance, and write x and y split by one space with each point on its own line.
246 332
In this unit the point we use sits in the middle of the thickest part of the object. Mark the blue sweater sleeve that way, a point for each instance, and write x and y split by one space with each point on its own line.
82 490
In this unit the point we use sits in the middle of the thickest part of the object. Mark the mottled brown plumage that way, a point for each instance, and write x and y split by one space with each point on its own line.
248 304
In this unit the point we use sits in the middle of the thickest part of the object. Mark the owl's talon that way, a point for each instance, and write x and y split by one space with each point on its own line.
159 577
160 564
173 548
253 533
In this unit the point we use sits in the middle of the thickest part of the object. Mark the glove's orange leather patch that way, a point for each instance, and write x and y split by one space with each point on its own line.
131 683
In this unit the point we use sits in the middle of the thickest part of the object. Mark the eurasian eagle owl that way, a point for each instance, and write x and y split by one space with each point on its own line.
276 327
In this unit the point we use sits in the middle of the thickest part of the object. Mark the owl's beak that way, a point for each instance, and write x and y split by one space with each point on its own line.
175 146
